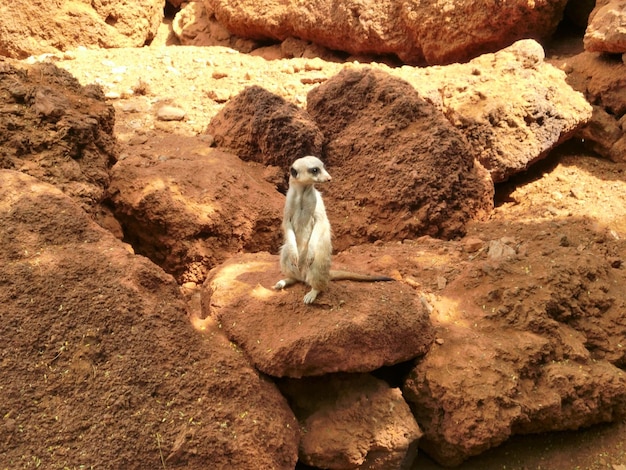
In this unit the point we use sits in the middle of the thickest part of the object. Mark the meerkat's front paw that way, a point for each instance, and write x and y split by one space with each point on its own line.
310 297
280 285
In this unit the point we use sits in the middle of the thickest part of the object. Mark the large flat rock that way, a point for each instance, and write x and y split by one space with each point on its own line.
352 327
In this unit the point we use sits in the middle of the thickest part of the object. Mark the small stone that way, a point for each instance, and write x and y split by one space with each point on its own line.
170 113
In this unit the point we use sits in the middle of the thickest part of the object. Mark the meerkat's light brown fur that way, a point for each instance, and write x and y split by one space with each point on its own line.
306 253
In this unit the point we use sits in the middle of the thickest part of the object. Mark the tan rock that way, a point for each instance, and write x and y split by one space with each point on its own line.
606 31
512 106
353 421
37 27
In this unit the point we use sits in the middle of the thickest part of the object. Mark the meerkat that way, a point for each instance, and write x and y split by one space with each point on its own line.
306 253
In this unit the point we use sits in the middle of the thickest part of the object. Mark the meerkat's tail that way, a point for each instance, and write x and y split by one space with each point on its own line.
350 276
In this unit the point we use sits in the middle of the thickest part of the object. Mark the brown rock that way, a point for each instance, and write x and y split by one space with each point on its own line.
353 327
399 168
35 27
262 127
602 80
353 421
416 32
98 350
54 129
190 209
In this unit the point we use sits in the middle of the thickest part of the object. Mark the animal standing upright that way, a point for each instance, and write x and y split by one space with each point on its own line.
306 253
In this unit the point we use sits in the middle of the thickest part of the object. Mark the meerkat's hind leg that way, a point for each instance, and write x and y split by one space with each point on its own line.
285 283
310 297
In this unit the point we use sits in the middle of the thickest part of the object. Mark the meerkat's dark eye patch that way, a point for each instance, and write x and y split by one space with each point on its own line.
294 172
314 171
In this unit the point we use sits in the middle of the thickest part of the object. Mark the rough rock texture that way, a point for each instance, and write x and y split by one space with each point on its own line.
190 208
352 327
528 343
193 25
512 106
416 32
602 79
32 27
53 128
399 168
352 421
260 126
606 31
100 365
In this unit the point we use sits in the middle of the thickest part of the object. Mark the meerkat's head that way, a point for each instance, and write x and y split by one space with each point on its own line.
308 170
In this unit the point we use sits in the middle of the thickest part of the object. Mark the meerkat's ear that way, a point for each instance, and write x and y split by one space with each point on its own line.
294 172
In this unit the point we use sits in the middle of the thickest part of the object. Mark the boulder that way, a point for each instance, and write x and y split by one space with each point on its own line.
352 327
260 126
416 32
606 31
352 421
512 106
191 208
523 345
193 25
36 27
100 364
400 169
54 129
602 80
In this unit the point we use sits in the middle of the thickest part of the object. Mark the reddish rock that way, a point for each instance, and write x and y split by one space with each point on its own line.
98 352
399 168
54 129
429 32
518 355
353 421
260 126
602 82
352 327
36 27
190 208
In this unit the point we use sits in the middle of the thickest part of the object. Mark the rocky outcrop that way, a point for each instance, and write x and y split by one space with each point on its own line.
426 32
190 210
98 348
37 27
54 129
353 327
399 167
606 31
353 421
260 126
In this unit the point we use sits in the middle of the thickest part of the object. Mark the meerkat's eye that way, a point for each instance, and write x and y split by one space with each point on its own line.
314 171
294 172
